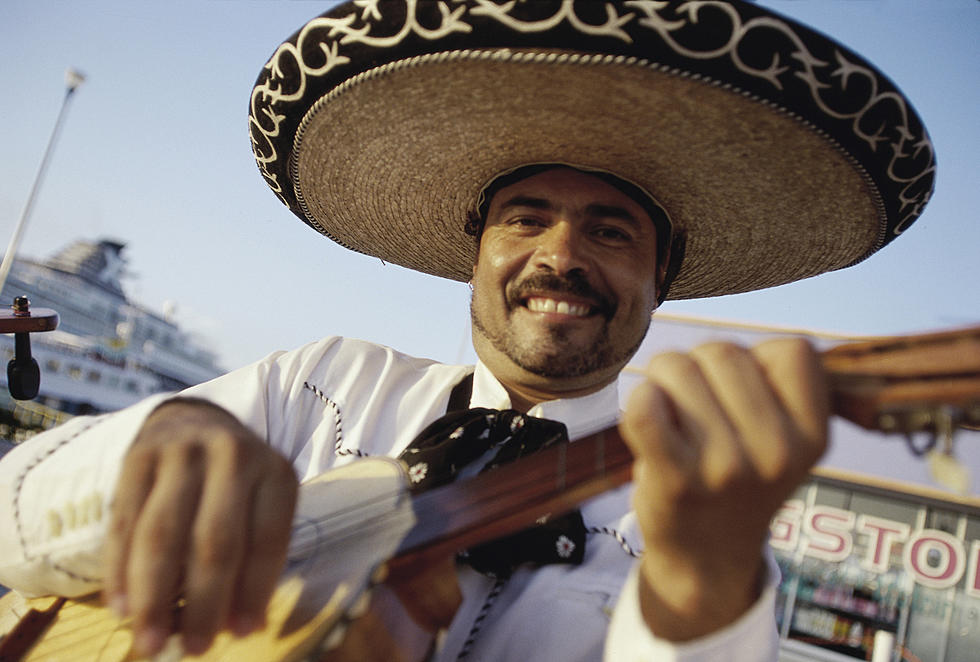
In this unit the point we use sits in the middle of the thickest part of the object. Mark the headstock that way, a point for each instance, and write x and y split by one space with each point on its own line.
23 372
910 384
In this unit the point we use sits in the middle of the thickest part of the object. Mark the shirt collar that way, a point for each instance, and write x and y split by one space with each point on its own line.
581 416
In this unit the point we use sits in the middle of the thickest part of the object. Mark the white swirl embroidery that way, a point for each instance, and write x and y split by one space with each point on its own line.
611 28
911 200
739 30
266 121
903 144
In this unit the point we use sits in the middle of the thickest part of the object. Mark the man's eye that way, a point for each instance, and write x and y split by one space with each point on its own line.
525 221
611 233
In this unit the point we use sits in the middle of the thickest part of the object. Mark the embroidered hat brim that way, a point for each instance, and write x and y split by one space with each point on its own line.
777 153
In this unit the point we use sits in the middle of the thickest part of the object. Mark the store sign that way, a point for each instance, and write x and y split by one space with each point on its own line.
932 557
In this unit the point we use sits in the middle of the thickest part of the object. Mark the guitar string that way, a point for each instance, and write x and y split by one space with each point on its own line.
63 640
66 640
52 646
342 525
351 525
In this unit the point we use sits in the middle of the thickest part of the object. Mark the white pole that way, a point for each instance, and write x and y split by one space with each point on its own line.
72 80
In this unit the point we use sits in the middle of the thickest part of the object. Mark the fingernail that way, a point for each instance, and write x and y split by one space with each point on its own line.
119 605
150 640
195 644
243 624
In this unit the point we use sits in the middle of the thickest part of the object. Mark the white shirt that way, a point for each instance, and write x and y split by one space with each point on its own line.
324 405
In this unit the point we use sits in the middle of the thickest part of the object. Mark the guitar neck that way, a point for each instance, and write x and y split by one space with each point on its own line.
514 496
895 384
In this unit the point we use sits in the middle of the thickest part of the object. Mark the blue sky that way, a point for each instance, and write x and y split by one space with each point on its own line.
155 153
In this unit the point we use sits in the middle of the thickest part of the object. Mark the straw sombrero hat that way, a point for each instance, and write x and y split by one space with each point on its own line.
778 153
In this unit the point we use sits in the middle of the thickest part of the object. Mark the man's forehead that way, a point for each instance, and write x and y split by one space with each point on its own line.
606 204
547 182
557 182
548 187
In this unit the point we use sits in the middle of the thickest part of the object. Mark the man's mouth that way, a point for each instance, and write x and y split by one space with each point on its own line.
570 295
559 306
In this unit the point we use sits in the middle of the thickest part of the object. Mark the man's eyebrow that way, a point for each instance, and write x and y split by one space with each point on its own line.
611 211
595 209
526 201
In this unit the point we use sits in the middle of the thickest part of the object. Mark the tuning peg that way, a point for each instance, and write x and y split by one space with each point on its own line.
944 467
335 638
949 472
23 372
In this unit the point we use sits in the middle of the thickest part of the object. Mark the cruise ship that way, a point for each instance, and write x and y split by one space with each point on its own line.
108 350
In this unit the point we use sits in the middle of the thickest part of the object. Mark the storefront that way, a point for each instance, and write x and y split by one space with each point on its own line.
861 556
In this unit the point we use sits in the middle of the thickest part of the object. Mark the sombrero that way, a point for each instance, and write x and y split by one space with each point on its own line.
777 153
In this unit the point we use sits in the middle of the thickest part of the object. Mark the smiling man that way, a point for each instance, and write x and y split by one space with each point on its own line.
565 282
605 156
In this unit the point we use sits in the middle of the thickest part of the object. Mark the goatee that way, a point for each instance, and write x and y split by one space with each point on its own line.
557 356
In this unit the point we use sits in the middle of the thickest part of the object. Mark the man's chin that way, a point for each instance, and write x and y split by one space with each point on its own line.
559 361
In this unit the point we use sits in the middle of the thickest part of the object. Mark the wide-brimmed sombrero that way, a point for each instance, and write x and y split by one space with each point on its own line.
777 153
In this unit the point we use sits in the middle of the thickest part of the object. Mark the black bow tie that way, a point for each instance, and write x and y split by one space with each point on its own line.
437 455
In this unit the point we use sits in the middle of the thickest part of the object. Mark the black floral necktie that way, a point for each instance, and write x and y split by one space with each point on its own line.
437 455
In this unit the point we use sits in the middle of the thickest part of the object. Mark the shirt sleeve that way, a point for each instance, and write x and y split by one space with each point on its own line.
751 638
54 498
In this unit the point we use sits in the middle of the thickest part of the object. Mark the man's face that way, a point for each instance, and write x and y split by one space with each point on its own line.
565 281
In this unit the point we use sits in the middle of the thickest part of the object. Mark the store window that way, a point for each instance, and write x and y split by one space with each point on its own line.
858 559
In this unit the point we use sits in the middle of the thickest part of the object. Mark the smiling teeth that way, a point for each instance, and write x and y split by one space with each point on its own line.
541 305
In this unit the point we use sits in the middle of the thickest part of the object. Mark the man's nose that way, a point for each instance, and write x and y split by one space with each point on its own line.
561 250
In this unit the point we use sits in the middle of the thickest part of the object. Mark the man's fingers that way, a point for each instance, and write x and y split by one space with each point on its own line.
794 369
764 431
750 420
202 511
735 412
135 482
266 549
158 550
241 536
650 429
218 544
703 431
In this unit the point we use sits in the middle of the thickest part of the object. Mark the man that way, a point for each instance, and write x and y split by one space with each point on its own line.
570 262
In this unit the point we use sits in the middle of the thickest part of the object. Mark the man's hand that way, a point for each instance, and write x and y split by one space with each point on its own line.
202 511
721 436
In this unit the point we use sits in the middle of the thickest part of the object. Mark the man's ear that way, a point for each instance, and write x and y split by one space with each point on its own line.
661 282
667 270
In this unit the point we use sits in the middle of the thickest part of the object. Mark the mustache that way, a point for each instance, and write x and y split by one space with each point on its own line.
572 283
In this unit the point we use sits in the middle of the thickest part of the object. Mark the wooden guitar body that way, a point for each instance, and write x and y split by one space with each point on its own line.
348 522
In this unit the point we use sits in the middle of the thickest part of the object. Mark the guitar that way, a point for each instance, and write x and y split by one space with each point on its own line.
904 384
